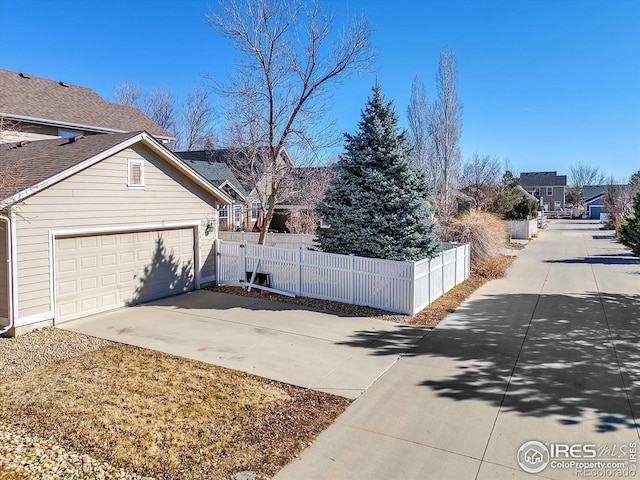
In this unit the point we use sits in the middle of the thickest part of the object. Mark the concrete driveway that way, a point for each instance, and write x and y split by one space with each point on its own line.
274 340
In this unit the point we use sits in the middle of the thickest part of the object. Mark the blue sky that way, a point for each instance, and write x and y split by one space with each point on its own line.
545 84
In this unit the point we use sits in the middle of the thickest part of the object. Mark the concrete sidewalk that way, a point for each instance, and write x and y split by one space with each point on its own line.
550 353
279 341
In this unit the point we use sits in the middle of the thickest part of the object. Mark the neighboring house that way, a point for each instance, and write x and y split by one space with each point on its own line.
464 202
548 187
232 217
251 174
34 108
593 196
522 193
100 222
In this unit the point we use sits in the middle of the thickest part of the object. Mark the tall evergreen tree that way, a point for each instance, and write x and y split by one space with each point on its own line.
378 203
630 231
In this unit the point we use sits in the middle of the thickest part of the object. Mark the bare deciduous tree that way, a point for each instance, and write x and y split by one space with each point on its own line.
446 129
618 199
418 117
160 107
278 94
128 94
481 178
197 115
580 175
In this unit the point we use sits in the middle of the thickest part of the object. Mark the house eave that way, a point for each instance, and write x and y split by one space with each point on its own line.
70 125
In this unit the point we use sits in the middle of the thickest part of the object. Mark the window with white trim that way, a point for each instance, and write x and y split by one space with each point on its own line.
255 208
135 175
224 211
549 191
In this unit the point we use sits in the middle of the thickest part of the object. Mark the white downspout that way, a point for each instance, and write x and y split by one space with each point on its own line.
10 312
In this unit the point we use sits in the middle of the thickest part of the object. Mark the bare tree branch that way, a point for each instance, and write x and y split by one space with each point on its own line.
446 128
128 94
481 178
278 95
197 114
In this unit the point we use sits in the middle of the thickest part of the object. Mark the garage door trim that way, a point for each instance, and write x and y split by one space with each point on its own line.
62 233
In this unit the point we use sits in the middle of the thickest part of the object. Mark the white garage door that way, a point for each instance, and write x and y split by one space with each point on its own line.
97 273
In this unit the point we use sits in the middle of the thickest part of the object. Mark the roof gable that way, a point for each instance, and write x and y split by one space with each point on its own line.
45 162
38 100
216 172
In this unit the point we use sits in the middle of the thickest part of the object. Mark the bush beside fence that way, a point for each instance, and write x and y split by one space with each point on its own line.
402 287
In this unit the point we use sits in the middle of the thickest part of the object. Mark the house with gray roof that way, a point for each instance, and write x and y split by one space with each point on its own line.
99 222
548 187
210 165
35 108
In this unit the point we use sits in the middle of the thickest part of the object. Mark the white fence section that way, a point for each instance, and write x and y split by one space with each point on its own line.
291 240
522 228
404 287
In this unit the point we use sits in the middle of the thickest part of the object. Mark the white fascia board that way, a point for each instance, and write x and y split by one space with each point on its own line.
69 172
180 165
227 183
70 125
71 232
144 137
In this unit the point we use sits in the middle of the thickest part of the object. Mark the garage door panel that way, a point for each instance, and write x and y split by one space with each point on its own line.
89 263
88 242
101 272
67 266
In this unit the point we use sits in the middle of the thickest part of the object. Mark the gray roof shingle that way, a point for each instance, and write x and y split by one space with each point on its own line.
38 161
542 179
216 172
61 103
199 159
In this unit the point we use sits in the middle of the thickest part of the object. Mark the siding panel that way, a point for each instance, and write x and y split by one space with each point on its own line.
98 197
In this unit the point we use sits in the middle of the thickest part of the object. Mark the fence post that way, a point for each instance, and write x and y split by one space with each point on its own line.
243 249
218 259
352 263
442 268
455 267
299 275
429 283
412 307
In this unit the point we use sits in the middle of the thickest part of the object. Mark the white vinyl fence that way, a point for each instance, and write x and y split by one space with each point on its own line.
291 240
403 287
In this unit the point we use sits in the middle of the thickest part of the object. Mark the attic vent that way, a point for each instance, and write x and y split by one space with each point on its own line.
76 138
62 84
136 174
25 75
23 143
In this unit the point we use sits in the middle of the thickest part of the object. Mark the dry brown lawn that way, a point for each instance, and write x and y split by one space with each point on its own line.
164 416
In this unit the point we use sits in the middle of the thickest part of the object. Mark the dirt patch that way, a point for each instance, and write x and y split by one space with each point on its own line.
166 417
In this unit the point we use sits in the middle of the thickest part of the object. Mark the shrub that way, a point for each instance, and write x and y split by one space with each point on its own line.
485 232
630 230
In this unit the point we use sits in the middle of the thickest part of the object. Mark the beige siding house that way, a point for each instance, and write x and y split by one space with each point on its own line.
35 108
115 220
